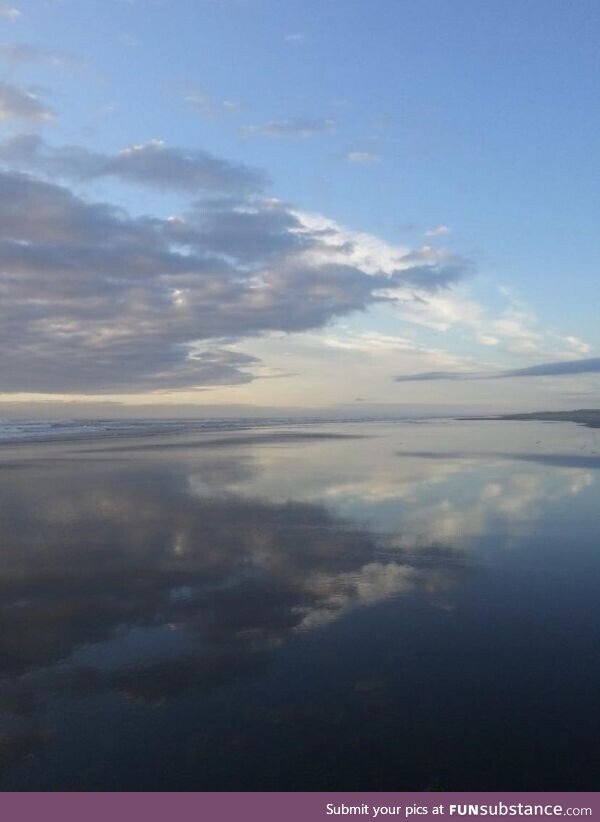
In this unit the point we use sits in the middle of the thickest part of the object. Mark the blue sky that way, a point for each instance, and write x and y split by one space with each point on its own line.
459 138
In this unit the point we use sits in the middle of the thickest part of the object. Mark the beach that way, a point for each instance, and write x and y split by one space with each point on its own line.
330 606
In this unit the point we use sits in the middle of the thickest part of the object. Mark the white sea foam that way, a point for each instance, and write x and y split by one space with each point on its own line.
46 430
37 430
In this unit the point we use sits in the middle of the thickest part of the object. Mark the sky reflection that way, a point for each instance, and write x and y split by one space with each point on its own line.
155 576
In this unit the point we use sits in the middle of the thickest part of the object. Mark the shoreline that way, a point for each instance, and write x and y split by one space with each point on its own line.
74 431
97 431
588 417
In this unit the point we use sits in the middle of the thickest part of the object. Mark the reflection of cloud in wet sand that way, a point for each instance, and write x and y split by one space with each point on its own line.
212 583
234 440
556 460
149 575
510 504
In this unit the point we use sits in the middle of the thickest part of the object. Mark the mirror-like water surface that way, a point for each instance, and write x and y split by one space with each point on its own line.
384 607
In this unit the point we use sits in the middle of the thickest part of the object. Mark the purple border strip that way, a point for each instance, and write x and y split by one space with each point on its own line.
291 807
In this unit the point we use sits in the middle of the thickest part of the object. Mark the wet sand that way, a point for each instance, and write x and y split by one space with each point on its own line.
366 606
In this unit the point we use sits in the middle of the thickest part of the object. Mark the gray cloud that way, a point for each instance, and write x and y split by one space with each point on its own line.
296 127
196 555
23 53
17 103
426 376
236 229
549 369
150 164
95 300
554 369
438 275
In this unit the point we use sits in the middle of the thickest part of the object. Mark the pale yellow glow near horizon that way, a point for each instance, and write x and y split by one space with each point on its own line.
258 392
324 370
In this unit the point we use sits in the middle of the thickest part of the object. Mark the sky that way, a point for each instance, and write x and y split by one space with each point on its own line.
251 203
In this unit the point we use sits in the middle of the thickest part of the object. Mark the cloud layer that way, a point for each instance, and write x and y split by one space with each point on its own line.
550 369
9 12
17 103
95 300
149 164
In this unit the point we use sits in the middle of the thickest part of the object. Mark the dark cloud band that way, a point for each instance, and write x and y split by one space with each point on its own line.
95 300
549 369
151 164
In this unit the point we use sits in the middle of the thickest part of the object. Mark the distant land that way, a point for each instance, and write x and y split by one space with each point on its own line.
583 416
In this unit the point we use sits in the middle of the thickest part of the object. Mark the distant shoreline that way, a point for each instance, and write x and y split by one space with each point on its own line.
589 417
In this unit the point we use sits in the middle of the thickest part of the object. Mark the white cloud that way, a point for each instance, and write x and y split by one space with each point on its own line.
438 231
375 344
9 12
343 245
363 158
92 299
487 339
516 331
202 102
426 269
575 346
85 286
441 312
